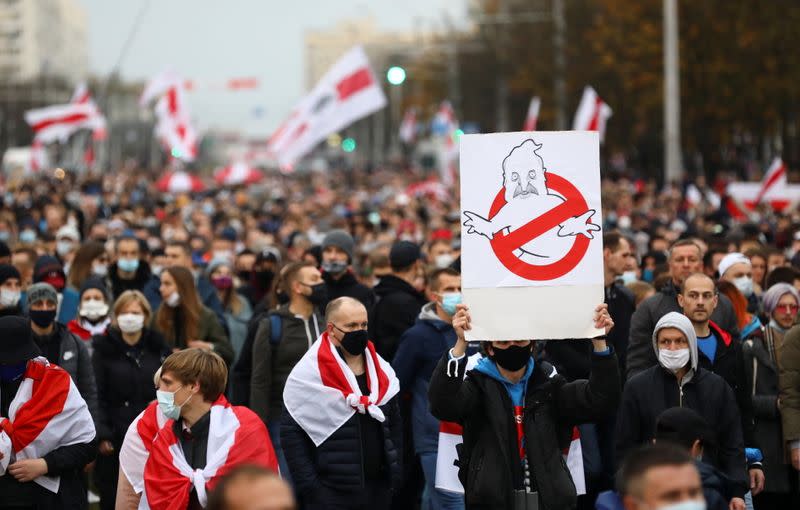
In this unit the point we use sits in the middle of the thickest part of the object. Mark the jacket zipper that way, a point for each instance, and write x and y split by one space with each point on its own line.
361 451
680 390
308 333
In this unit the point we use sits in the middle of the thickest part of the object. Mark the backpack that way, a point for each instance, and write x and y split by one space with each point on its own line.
275 326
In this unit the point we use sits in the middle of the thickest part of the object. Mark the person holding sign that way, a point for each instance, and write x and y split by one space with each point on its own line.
517 417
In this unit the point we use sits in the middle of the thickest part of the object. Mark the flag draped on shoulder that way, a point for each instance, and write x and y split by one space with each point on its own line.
47 412
236 436
322 392
136 445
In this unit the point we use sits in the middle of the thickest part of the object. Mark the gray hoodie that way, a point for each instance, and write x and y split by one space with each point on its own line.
682 323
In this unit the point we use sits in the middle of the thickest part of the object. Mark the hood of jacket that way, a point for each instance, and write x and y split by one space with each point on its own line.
720 333
682 323
516 391
390 284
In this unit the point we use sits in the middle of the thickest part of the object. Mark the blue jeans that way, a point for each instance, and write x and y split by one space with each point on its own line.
274 429
439 499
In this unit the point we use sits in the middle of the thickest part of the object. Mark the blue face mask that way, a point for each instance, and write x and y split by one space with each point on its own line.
9 373
128 265
166 402
449 302
628 277
27 236
5 235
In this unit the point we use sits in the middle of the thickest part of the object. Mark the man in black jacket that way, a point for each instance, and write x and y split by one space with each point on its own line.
337 271
500 461
130 271
399 302
685 258
679 381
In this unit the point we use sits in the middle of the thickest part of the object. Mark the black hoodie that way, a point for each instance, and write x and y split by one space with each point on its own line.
396 311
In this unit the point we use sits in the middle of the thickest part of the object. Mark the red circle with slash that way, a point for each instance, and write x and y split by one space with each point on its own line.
504 245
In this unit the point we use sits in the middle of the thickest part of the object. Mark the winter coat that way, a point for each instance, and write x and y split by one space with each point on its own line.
75 359
789 384
242 370
489 463
124 379
272 363
206 292
420 349
208 330
640 349
649 393
139 281
396 310
337 461
347 285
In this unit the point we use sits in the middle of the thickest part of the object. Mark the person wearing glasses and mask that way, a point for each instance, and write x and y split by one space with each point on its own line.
341 433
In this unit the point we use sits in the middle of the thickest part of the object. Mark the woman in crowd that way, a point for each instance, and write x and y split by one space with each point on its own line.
748 323
93 311
182 318
10 291
125 359
90 260
237 309
762 357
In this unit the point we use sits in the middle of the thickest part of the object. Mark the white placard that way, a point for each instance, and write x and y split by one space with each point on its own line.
532 249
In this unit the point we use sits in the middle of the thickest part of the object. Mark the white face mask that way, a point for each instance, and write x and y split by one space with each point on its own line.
93 309
628 277
444 260
173 299
673 360
100 270
130 322
9 298
63 247
745 285
692 504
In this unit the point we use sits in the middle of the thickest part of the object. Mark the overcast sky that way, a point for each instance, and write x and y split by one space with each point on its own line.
212 40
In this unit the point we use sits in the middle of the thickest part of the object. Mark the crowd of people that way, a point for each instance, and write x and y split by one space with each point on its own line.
180 350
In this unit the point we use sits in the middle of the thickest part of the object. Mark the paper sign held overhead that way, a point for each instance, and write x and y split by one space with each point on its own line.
531 237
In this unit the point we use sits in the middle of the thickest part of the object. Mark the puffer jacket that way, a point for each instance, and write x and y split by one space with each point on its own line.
489 462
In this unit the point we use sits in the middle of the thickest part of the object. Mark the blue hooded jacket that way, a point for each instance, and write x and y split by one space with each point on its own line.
515 391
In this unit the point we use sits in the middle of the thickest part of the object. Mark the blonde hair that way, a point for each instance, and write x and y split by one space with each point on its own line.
128 297
191 366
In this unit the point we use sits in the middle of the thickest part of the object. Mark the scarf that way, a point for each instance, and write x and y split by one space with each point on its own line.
236 435
136 447
47 412
322 380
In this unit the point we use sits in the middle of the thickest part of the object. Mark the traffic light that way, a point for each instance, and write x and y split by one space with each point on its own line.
348 145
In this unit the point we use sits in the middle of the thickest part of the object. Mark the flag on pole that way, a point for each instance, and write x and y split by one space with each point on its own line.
58 122
408 128
173 119
345 94
533 114
592 113
775 178
82 95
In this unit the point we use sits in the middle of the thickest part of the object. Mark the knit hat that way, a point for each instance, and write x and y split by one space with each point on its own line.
775 293
8 271
340 239
41 292
684 325
731 259
49 269
215 263
17 345
95 282
682 426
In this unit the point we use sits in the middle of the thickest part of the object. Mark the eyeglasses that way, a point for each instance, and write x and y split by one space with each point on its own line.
787 308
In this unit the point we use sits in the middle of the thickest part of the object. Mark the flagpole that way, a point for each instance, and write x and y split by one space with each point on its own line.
673 165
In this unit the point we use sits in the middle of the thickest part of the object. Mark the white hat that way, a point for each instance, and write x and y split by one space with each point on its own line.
68 232
731 259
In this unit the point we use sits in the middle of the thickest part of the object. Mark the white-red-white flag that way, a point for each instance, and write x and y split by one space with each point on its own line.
158 85
345 94
408 127
135 448
238 173
180 182
174 127
447 123
82 95
58 122
592 114
775 178
533 114
38 155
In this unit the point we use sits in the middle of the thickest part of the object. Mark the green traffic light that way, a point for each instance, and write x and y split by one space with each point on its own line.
348 145
396 75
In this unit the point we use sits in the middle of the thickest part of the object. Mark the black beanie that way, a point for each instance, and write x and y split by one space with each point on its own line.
95 282
8 271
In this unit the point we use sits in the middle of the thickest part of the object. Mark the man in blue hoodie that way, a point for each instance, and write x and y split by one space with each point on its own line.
420 349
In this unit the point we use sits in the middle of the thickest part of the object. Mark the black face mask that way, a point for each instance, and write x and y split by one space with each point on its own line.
244 276
42 318
264 278
319 294
355 342
513 357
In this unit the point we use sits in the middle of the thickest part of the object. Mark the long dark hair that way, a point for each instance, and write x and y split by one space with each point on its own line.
81 268
190 307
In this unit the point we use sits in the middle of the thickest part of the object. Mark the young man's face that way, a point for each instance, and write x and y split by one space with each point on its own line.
666 485
698 299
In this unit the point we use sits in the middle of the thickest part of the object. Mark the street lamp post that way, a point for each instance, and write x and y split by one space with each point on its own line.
395 76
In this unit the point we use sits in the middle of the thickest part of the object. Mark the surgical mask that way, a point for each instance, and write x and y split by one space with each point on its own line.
130 322
513 357
745 285
156 270
444 260
449 302
673 360
42 318
334 266
5 235
166 402
128 265
355 342
628 277
10 373
222 255
100 270
9 298
772 323
93 309
319 294
173 299
692 504
63 247
27 236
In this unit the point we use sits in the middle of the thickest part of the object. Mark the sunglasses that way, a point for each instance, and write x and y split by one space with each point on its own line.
787 308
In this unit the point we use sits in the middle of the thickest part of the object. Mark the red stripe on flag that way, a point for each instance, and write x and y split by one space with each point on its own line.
74 118
172 100
329 370
48 395
771 182
594 124
449 427
354 83
243 83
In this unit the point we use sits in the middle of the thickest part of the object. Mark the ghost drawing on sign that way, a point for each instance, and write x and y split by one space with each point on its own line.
527 198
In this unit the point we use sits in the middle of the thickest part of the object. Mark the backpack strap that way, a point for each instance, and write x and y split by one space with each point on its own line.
275 325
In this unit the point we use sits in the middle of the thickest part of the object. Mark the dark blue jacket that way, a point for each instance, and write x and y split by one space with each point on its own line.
208 296
420 349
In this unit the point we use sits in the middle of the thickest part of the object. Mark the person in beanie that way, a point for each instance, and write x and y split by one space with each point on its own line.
337 271
45 473
93 314
57 344
10 290
49 270
679 381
